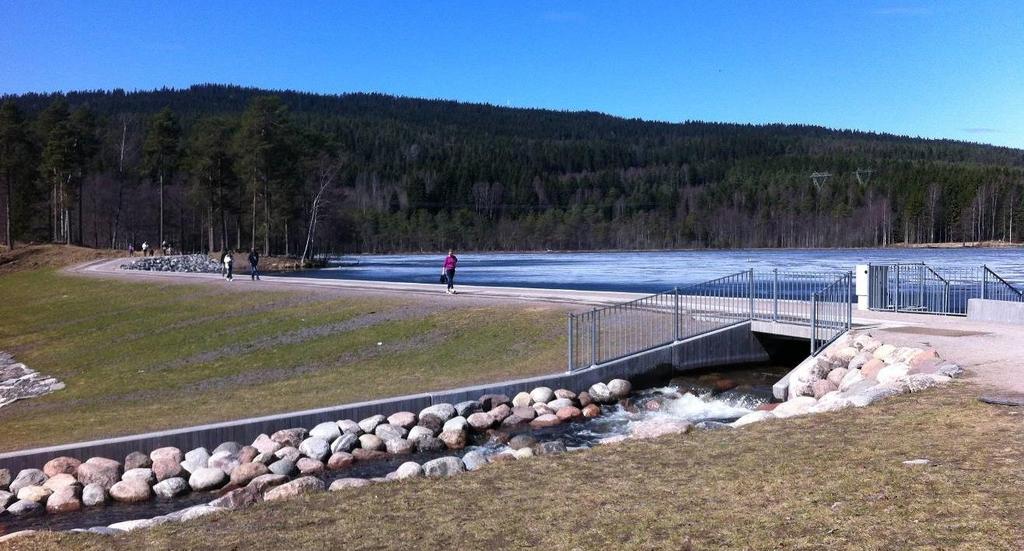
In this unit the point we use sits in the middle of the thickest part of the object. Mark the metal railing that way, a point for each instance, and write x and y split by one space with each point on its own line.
831 312
926 289
612 332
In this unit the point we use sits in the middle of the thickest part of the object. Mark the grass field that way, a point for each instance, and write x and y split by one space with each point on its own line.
831 481
145 356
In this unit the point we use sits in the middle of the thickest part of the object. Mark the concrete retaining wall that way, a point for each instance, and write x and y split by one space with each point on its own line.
999 311
732 345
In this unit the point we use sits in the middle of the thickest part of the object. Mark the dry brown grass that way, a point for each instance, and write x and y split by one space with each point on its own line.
34 257
833 481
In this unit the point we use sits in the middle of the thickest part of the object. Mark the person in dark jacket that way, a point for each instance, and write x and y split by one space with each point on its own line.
223 265
449 271
254 264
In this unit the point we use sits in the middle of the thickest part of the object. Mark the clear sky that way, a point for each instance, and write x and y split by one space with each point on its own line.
933 69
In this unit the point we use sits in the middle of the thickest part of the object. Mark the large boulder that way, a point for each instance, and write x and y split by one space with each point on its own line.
289 437
264 482
6 498
892 372
61 465
620 388
549 448
244 473
171 487
166 453
371 442
239 498
584 399
546 420
349 426
309 467
388 431
28 477
455 423
247 454
224 460
601 394
565 394
480 421
443 412
491 401
264 444
560 403
340 460
800 405
35 493
846 354
207 478
5 479
542 395
315 448
474 460
568 413
137 460
467 408
859 360
299 486
94 494
871 368
521 400
884 352
454 439
345 443
64 500
400 446
591 410
418 432
500 412
656 426
140 473
409 469
852 377
836 375
752 417
61 480
346 483
427 444
25 508
327 432
822 387
131 491
524 413
360 454
443 466
866 342
876 393
99 470
514 420
284 467
520 441
196 459
289 453
165 468
403 419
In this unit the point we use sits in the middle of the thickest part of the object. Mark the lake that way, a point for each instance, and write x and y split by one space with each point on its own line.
649 271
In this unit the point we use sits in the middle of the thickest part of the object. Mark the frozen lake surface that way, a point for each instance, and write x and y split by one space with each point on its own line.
649 271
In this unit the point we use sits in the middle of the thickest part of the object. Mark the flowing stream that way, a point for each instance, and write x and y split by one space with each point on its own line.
704 399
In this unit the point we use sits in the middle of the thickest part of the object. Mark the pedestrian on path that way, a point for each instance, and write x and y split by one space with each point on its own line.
131 249
145 248
228 260
448 271
254 261
223 265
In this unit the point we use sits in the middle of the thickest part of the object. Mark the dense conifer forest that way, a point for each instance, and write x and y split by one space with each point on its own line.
214 167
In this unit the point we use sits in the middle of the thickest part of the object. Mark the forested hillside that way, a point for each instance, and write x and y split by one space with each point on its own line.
221 166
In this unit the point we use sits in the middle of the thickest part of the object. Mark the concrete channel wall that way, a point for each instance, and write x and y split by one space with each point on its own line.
999 311
732 345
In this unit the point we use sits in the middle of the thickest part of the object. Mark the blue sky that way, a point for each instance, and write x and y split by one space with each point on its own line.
933 69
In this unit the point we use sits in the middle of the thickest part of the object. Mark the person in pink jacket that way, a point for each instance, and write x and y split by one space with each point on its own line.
449 271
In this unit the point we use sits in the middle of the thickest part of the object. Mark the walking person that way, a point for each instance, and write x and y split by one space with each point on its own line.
448 270
228 261
223 265
131 249
254 261
145 248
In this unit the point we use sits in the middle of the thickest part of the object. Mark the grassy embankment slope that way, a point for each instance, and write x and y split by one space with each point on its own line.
830 481
147 356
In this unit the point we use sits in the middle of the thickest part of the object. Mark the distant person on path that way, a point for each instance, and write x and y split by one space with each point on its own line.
223 265
228 260
131 249
254 264
145 248
449 271
163 248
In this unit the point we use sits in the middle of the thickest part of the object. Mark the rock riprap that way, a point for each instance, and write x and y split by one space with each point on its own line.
192 263
19 382
856 371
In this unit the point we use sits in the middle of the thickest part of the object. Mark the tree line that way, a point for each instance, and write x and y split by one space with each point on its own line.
214 167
